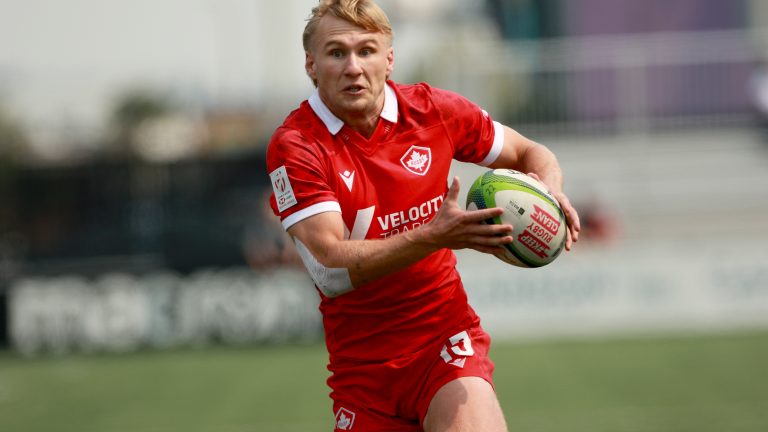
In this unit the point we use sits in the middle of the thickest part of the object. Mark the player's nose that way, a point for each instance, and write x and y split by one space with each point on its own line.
353 66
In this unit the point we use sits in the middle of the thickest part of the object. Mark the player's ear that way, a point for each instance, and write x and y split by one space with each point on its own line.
310 66
390 61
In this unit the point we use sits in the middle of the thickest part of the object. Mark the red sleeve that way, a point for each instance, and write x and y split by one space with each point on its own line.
473 132
297 172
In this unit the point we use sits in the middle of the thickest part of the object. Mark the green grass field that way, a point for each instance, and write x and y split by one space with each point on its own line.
696 384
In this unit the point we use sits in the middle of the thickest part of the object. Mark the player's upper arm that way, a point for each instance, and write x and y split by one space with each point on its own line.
319 233
513 150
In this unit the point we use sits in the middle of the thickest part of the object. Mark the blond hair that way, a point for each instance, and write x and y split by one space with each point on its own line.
362 13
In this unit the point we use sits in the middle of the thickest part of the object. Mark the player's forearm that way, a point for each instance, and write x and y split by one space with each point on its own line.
452 227
540 160
368 260
338 265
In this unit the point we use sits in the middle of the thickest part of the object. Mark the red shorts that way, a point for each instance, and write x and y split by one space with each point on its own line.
395 396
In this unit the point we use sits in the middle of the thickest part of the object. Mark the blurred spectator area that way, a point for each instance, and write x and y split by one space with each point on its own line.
134 215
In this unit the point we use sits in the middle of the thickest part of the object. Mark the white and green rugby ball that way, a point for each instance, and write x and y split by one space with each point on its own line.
538 221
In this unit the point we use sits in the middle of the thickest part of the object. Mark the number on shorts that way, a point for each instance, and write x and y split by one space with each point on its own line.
460 346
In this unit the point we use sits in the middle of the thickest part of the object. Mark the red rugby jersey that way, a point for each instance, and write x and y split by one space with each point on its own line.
393 182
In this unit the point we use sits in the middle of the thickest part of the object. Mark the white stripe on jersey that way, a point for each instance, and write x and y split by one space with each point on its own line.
498 144
321 207
363 221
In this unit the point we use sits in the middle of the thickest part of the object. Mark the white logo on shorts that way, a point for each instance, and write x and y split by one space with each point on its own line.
345 419
459 349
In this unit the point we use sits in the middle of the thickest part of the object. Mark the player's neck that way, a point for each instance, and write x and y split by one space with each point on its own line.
365 122
364 126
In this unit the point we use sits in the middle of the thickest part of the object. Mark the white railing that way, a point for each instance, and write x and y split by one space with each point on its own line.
607 83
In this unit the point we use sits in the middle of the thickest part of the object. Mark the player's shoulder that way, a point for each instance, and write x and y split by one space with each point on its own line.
300 128
298 121
418 93
422 95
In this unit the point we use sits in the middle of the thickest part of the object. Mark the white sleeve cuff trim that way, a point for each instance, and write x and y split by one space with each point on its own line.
321 207
498 144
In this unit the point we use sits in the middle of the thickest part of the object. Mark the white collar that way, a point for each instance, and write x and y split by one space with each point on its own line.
334 124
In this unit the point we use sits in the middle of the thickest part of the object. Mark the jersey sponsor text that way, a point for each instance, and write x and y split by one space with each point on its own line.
405 220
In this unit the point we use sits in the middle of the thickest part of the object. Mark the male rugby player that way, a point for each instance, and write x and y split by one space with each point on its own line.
359 176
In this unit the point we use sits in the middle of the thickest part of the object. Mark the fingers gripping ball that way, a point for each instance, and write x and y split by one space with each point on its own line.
538 221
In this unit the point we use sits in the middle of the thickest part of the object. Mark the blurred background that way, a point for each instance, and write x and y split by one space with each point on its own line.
135 231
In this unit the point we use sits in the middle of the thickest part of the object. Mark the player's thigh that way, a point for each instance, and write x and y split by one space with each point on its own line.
465 404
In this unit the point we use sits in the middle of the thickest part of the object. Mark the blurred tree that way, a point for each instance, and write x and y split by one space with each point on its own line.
526 19
13 138
130 110
13 141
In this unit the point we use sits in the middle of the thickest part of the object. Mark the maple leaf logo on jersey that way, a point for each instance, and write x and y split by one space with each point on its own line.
345 419
417 160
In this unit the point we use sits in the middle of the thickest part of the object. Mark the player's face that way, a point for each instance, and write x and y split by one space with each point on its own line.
350 66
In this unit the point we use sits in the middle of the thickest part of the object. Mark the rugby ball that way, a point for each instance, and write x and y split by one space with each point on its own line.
538 221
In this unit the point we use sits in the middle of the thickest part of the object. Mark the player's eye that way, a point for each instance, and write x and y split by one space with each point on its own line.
337 53
366 52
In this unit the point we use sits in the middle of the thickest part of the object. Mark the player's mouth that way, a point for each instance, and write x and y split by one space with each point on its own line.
354 90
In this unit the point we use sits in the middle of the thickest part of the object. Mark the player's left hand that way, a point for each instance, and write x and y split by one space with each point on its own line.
571 215
456 228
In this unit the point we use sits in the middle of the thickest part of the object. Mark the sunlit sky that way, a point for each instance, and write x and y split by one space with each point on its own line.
63 60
